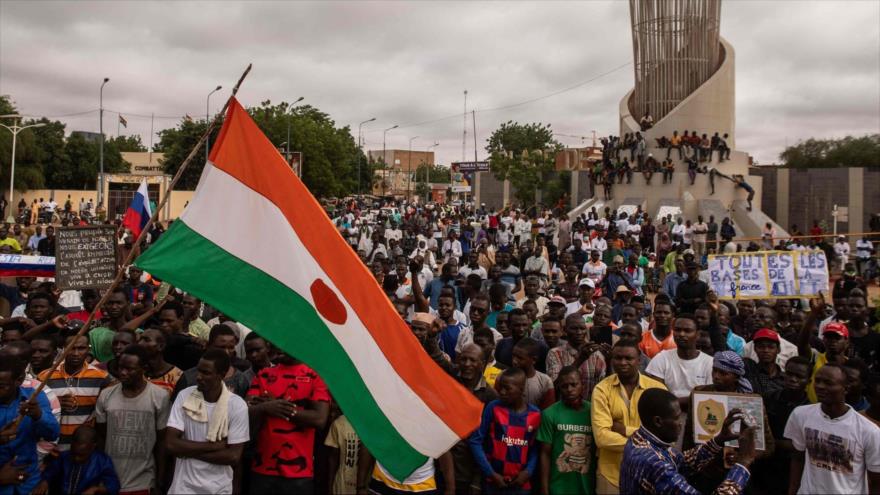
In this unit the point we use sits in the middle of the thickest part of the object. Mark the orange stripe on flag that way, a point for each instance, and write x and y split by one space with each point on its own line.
242 151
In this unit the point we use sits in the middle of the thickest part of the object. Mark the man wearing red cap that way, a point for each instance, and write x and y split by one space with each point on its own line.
764 374
787 350
835 336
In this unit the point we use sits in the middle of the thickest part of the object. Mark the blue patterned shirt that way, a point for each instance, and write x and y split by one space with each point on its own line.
652 466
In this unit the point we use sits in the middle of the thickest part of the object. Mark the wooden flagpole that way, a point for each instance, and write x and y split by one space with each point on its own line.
136 248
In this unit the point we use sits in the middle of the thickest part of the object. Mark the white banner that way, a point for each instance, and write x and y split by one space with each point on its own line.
768 274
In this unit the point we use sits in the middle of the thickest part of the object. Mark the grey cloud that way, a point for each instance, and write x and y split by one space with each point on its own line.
804 68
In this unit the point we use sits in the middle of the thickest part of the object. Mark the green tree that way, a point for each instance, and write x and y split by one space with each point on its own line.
556 188
436 173
128 143
849 151
522 153
329 153
177 143
28 169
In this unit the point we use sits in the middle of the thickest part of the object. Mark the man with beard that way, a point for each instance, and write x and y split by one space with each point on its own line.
614 412
470 363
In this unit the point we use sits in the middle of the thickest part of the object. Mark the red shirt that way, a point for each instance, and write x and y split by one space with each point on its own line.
284 448
82 315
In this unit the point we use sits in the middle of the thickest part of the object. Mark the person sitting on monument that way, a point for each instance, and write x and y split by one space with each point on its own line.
675 142
668 168
705 148
723 149
624 169
647 120
649 167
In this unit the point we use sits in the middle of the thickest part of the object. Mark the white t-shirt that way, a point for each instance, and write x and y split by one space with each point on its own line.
688 235
681 376
466 271
595 272
787 350
599 243
677 232
195 476
863 249
634 230
839 452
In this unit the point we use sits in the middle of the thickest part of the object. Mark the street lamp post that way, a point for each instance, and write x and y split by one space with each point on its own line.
361 150
15 129
101 148
384 163
427 169
409 171
208 120
287 152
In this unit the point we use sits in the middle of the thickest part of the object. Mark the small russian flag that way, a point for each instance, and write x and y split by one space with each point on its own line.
138 213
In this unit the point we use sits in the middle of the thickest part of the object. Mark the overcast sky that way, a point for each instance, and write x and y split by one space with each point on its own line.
803 69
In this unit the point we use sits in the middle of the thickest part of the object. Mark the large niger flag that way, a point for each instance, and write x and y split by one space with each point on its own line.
255 244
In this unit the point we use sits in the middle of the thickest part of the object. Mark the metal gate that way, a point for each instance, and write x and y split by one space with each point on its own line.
120 195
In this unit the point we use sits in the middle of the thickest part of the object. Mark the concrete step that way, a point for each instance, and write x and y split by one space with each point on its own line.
630 206
668 206
581 208
751 223
714 207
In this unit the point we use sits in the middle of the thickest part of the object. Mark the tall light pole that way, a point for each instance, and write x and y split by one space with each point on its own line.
287 152
384 163
208 120
409 169
361 150
101 148
427 169
15 129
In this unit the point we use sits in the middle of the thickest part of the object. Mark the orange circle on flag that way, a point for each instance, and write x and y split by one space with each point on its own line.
327 303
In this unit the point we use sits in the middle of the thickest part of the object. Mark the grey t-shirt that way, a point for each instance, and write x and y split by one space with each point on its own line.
536 387
132 423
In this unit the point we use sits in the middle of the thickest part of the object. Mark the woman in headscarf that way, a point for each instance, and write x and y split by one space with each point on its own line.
728 376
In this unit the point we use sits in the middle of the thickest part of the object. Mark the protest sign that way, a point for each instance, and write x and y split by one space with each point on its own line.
768 274
710 408
85 257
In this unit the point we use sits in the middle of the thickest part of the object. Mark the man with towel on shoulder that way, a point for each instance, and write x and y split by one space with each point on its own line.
207 430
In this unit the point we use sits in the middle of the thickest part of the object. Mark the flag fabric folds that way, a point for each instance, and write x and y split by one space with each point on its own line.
138 212
17 265
255 244
123 121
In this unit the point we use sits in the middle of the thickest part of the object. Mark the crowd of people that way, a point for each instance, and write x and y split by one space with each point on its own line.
694 151
585 340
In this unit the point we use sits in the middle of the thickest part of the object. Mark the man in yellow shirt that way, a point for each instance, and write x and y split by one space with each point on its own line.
674 143
615 413
5 240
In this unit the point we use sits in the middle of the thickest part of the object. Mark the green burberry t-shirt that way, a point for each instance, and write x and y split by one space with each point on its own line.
573 453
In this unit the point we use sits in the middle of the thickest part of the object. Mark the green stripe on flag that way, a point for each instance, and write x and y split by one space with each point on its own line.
193 263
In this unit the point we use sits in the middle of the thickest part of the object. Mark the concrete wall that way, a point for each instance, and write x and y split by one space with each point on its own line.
177 202
490 190
799 196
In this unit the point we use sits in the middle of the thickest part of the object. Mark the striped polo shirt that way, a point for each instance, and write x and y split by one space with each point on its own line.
85 385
